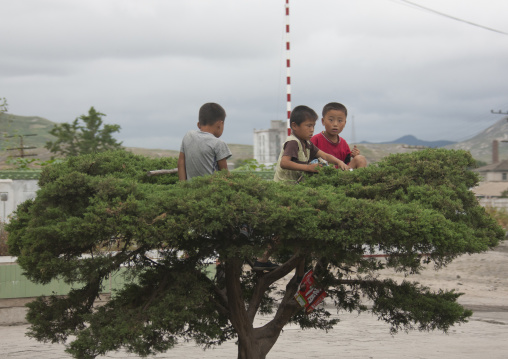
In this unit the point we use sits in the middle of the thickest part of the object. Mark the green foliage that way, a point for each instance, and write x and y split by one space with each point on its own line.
405 206
500 216
433 184
3 105
252 165
408 306
23 163
480 163
85 137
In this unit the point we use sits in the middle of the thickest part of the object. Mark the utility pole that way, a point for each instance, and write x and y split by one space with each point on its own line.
499 112
22 147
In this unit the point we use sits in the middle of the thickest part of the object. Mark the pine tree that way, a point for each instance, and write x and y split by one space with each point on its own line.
97 214
86 134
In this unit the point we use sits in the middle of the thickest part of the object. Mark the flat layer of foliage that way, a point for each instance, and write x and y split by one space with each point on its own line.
97 213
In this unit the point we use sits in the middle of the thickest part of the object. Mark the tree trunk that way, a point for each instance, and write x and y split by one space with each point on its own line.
248 351
253 348
255 343
258 343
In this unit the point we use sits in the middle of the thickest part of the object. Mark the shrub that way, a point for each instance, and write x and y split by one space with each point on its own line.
500 215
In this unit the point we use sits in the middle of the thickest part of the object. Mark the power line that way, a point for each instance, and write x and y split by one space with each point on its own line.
478 126
453 17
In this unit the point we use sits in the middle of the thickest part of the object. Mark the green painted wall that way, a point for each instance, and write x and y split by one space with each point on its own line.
13 284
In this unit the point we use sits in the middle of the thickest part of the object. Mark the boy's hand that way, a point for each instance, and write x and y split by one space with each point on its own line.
355 151
313 167
343 166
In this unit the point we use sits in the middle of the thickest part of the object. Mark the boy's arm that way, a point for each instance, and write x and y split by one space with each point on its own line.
287 164
223 164
182 175
332 159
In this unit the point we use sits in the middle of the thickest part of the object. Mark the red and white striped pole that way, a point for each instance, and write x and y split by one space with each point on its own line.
288 65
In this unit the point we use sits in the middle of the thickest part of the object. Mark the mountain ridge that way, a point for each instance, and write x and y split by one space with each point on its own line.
479 145
413 141
12 127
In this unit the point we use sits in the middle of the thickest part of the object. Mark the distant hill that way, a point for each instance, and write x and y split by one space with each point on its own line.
413 141
480 145
14 125
374 152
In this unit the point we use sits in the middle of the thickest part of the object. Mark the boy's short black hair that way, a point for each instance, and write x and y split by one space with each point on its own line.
301 114
334 106
210 113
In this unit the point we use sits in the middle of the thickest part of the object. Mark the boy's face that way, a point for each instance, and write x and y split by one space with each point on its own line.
334 122
305 130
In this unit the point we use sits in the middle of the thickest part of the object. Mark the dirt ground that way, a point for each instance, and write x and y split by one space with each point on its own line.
483 278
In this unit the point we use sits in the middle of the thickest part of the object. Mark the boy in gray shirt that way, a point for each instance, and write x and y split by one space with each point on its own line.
202 152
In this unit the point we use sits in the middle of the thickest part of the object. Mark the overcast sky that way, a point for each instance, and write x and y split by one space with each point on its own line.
149 65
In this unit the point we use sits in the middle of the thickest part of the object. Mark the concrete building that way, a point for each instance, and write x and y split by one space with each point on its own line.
15 188
494 182
496 172
268 143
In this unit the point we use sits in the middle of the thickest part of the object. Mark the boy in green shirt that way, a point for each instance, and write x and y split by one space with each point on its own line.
295 157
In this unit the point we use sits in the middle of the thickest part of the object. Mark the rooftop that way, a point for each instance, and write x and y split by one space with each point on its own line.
498 166
490 189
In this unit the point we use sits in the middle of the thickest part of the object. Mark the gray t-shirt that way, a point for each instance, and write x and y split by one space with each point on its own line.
202 151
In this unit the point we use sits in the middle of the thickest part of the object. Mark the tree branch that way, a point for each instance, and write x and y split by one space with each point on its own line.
161 172
266 280
288 307
239 318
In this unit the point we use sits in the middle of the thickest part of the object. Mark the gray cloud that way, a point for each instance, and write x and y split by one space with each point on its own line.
150 65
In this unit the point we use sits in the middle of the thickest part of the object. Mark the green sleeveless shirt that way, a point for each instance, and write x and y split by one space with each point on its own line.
283 175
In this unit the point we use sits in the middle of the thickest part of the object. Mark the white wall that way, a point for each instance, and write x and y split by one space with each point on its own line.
13 193
498 203
495 176
268 143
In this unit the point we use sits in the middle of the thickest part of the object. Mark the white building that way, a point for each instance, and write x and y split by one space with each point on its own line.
496 172
268 143
494 184
14 191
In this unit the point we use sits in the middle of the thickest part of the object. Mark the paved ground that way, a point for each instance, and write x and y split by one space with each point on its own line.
482 277
354 337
